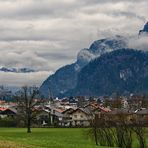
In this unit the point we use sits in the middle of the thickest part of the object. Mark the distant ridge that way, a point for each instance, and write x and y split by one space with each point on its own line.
16 70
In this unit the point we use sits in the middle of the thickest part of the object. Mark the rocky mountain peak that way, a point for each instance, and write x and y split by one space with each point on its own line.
146 27
144 30
99 47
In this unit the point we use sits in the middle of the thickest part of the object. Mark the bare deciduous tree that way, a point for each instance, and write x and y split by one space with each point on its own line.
27 100
117 132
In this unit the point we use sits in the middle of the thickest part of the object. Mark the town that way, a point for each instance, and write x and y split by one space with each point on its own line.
72 111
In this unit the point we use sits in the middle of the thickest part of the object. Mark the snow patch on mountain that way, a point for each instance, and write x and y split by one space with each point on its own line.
98 48
125 74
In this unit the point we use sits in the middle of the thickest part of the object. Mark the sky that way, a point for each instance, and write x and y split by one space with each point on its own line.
47 34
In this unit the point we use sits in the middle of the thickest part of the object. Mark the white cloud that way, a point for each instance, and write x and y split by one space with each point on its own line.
22 79
139 43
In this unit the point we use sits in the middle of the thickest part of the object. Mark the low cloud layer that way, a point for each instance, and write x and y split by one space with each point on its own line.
47 34
139 43
23 79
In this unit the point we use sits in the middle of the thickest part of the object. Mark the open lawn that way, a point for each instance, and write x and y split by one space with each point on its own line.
45 138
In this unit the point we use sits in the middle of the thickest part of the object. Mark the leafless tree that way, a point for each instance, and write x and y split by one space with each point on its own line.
118 131
27 100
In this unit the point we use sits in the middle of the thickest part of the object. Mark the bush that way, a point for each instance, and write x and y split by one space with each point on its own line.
7 122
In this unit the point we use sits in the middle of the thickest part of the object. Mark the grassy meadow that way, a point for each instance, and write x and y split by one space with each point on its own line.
46 138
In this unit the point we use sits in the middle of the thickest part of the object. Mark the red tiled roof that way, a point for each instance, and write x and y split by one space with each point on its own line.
104 109
3 108
96 106
2 102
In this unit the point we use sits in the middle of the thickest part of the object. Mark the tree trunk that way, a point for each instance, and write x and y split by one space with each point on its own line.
141 139
96 140
95 131
28 122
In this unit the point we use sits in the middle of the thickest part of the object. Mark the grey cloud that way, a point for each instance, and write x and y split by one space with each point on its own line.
41 55
36 9
47 34
28 59
139 43
129 15
57 56
21 79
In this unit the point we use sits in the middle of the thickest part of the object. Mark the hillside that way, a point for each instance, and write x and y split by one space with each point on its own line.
121 71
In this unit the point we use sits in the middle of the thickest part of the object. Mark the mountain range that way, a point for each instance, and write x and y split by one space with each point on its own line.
107 66
16 70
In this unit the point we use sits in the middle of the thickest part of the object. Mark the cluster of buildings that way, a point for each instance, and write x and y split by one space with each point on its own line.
75 112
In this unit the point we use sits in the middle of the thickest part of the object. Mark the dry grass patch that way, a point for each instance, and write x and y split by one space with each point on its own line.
9 144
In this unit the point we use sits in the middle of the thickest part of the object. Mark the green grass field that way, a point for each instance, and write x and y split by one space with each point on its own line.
45 138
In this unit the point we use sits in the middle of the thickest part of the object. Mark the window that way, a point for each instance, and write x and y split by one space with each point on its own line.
81 122
81 116
75 116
